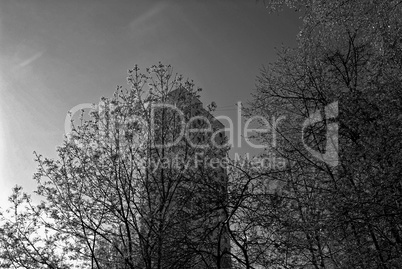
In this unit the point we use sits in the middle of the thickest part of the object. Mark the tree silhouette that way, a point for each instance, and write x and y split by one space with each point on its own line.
118 196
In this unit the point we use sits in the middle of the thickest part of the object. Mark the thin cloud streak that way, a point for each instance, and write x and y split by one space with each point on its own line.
149 15
30 60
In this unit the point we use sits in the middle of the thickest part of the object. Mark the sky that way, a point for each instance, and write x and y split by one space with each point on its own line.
55 55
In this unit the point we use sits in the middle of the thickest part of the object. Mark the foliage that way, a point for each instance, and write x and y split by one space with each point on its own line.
348 216
114 198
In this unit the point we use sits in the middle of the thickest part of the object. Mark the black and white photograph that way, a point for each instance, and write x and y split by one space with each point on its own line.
201 134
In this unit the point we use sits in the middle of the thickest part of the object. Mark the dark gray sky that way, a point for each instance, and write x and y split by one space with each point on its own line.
55 55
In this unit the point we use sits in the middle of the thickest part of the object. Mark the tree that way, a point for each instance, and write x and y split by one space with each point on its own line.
118 196
345 71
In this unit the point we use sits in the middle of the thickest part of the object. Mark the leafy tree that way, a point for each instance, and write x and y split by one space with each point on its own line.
346 215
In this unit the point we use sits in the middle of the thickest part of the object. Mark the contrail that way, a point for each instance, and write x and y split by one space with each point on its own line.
30 59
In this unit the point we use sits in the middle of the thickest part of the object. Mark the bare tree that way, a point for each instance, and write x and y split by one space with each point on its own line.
118 196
